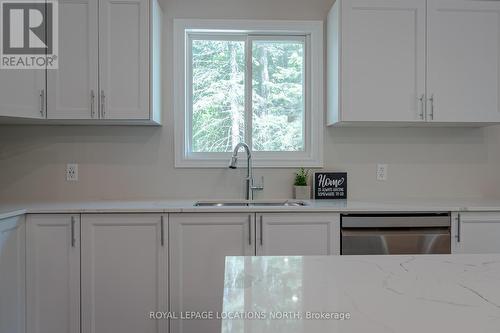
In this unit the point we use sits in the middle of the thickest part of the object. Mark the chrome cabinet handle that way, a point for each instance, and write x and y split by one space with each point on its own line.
73 239
42 102
459 222
421 100
261 231
92 102
103 102
431 114
249 229
162 232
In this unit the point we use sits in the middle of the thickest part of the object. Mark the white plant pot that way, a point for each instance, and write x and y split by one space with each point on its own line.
302 192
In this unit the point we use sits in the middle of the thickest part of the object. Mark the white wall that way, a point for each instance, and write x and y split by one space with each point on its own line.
138 163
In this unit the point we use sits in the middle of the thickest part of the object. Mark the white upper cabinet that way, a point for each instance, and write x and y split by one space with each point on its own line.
464 60
124 59
298 234
109 68
72 88
476 233
22 93
383 60
414 61
12 275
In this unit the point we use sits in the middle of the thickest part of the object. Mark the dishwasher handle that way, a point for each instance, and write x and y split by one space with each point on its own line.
396 221
369 232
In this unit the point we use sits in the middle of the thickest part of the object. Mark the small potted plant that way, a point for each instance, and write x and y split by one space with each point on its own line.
301 190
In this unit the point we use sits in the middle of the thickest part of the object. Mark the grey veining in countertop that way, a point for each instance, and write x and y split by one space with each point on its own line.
381 294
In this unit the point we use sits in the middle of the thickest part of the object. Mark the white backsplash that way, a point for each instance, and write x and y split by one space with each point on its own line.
138 163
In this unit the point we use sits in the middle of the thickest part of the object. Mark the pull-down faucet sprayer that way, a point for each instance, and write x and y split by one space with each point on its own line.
249 179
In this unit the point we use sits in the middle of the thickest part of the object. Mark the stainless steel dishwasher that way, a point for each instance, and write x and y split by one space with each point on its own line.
396 234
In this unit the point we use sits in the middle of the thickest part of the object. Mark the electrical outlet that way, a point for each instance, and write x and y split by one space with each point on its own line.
72 172
382 172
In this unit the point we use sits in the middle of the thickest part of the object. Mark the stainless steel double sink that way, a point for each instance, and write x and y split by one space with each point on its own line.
288 203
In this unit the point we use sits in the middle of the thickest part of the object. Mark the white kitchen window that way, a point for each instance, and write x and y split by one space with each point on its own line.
259 82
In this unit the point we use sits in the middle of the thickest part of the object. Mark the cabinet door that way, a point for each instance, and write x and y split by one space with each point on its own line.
464 60
383 60
12 275
53 274
199 244
23 93
124 58
476 233
71 87
301 234
124 273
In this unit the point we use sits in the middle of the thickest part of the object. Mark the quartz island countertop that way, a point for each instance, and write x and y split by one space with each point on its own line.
354 294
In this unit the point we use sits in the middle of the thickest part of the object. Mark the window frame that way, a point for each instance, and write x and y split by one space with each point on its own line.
248 31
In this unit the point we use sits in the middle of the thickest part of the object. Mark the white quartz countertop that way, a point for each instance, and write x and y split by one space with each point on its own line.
379 294
187 206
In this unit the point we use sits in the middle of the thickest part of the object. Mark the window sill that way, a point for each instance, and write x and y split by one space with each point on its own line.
220 163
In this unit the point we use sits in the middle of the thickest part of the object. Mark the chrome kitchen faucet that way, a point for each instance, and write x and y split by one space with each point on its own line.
250 187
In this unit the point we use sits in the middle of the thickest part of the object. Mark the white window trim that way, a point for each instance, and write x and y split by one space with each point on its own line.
313 155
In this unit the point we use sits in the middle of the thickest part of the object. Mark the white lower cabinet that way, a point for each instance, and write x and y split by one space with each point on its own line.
53 273
105 273
124 273
199 244
285 234
12 275
476 233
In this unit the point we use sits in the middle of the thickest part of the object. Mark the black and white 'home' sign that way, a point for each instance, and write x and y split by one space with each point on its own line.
330 185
